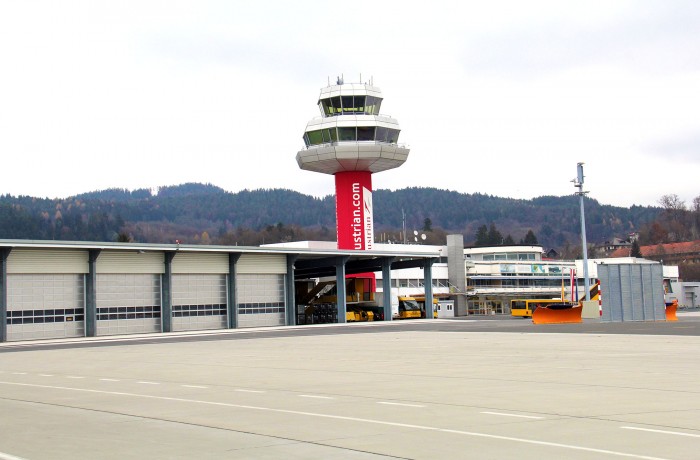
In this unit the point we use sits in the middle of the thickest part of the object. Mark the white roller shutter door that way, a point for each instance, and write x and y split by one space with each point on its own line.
130 262
28 261
262 264
200 262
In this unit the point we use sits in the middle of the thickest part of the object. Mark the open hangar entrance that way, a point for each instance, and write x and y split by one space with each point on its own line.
342 288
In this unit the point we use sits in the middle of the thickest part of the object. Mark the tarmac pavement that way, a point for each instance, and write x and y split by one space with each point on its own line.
496 388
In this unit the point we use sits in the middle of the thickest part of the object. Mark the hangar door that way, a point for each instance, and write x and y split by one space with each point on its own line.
45 294
128 292
260 287
199 291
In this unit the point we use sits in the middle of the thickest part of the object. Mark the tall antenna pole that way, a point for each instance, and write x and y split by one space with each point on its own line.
578 182
403 219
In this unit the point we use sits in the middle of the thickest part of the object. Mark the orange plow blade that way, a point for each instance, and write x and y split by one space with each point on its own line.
671 312
544 315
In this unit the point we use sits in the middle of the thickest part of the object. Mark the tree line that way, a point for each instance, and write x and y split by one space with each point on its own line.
206 214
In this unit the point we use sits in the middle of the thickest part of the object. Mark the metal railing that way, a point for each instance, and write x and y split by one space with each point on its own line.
331 144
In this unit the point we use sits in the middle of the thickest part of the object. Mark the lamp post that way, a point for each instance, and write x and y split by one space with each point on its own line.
578 182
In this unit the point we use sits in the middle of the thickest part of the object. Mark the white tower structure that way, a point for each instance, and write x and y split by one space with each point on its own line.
351 140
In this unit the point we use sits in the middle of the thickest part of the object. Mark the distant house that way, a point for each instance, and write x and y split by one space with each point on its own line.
551 254
672 253
610 246
686 255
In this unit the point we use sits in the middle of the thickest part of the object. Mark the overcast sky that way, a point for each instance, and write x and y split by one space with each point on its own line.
501 98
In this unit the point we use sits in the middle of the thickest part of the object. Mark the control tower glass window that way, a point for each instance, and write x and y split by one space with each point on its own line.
315 137
365 133
357 105
360 133
372 105
347 134
392 136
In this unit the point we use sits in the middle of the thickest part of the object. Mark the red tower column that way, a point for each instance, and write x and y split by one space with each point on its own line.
353 210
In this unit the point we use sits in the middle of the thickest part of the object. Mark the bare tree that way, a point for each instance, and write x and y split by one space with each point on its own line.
672 203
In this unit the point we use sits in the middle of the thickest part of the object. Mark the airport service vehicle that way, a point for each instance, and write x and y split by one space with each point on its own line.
408 308
421 303
525 307
547 311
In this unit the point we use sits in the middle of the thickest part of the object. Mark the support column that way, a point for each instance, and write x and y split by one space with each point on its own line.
341 295
386 288
232 307
457 272
291 307
4 255
91 294
166 310
428 283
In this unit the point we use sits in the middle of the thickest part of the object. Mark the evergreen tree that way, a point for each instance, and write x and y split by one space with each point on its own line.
508 241
636 250
494 236
482 237
530 238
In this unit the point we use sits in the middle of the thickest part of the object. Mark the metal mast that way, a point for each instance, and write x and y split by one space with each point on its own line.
578 182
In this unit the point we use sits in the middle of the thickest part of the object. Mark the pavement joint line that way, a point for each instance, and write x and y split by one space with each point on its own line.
316 396
350 419
243 390
512 415
194 386
388 403
650 430
149 383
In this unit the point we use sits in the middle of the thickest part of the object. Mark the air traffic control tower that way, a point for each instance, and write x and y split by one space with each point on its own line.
351 140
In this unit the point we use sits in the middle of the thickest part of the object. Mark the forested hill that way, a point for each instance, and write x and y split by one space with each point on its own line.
202 213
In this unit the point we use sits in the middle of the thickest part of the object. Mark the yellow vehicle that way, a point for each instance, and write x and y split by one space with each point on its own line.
408 308
421 304
525 307
359 314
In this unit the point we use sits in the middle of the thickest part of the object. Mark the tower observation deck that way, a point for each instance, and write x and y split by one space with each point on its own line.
351 140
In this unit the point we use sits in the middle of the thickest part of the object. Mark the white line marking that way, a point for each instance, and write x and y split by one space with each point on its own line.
315 396
74 377
149 383
513 415
45 375
110 380
677 433
194 386
399 404
346 418
19 373
4 456
242 390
